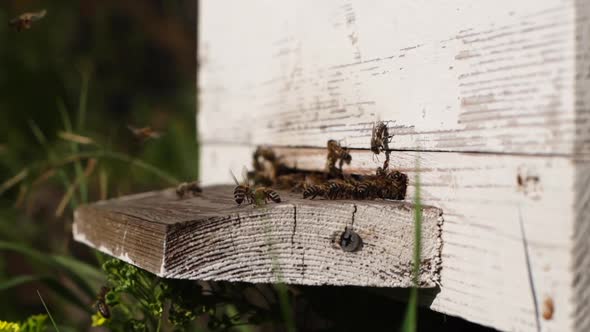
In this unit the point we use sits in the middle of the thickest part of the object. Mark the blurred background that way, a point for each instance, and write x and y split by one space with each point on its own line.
92 69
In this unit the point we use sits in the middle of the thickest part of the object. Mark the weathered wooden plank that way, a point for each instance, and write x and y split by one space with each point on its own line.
485 274
297 241
496 76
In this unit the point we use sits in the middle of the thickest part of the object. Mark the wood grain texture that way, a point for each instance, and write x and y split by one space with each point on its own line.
485 274
211 238
493 76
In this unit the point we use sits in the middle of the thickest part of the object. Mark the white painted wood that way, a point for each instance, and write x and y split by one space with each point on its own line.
453 75
484 272
509 80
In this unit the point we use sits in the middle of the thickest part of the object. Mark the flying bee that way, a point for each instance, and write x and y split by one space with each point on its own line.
264 153
380 138
24 21
188 188
266 194
101 305
243 191
145 133
336 153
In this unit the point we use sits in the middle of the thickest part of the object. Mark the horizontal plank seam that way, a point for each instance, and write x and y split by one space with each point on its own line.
496 153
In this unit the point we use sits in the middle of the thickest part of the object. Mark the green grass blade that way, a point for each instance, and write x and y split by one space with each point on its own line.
48 313
66 293
50 282
13 181
79 267
42 139
17 281
410 323
67 123
280 287
38 133
285 306
82 103
62 264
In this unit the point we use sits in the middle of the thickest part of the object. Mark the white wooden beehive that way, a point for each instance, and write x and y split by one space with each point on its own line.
488 101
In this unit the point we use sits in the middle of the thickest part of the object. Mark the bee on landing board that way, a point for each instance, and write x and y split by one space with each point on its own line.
101 304
243 190
314 190
266 194
188 188
25 21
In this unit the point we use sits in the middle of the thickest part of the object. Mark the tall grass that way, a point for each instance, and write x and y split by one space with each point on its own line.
410 323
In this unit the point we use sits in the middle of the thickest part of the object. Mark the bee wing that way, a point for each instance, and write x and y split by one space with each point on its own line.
245 175
133 129
234 177
155 134
36 16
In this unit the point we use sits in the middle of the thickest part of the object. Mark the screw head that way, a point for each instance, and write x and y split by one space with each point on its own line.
350 241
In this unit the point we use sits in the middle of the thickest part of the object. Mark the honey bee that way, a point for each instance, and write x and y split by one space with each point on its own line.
336 153
266 194
366 189
24 21
101 304
314 190
264 153
395 186
243 191
267 166
340 190
188 188
380 138
145 133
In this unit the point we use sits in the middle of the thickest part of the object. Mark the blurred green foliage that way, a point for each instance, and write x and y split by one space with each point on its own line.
90 68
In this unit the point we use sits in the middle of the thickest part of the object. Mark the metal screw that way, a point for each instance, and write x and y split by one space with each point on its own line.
350 241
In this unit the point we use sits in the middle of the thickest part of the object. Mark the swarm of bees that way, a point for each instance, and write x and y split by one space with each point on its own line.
332 184
25 21
101 304
188 189
386 185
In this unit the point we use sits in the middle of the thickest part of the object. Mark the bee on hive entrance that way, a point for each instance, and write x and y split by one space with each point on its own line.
188 188
336 153
101 304
243 191
266 194
340 190
25 20
314 190
380 138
